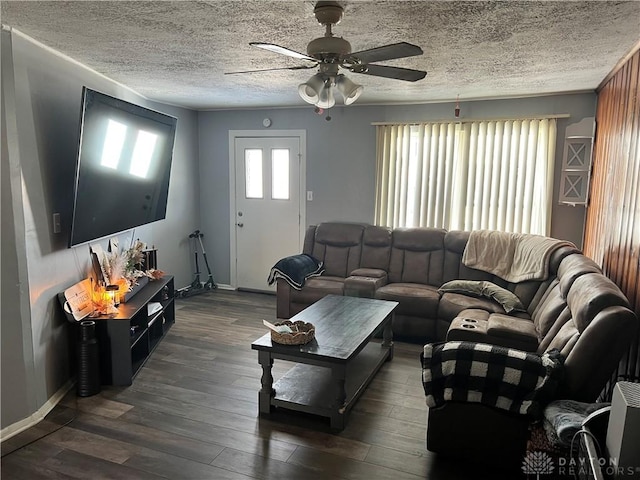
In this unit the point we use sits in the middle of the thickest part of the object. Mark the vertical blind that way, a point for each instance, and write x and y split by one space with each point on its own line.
475 175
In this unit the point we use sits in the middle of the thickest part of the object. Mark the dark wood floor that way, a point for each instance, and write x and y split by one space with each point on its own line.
191 413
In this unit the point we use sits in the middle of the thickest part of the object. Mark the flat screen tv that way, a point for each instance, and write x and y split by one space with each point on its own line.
123 167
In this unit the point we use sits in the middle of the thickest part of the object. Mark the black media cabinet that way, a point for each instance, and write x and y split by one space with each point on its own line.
126 339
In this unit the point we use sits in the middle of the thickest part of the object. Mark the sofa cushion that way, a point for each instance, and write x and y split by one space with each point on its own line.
565 339
415 299
549 310
558 256
467 287
525 291
520 330
452 304
571 268
591 293
455 242
339 234
563 318
309 239
376 247
543 290
495 329
316 288
417 256
338 246
508 300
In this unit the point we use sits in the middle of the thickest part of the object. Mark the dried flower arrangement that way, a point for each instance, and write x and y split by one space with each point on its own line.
125 267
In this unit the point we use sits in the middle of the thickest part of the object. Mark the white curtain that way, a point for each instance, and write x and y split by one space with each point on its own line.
494 175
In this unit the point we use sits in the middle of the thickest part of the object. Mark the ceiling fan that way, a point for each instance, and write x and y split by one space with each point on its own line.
330 54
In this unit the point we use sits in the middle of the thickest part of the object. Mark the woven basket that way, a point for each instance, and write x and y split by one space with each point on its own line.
302 333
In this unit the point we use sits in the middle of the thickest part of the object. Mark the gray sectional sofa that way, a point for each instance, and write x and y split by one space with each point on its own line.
576 310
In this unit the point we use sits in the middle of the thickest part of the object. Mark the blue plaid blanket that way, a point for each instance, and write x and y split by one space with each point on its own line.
500 377
296 269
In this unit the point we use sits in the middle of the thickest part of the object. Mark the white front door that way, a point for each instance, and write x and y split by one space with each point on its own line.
267 206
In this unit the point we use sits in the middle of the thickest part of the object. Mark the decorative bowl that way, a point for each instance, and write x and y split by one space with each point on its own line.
302 333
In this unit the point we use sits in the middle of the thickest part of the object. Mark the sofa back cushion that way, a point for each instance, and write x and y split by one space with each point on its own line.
417 256
549 311
555 261
455 242
558 320
571 268
309 239
592 355
525 291
592 333
376 247
591 293
339 246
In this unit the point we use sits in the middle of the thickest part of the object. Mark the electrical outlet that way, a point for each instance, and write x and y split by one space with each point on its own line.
309 196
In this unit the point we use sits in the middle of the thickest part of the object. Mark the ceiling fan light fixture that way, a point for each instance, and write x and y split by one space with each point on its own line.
349 89
326 98
311 89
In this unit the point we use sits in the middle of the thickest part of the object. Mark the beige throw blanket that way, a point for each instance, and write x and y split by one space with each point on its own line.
515 257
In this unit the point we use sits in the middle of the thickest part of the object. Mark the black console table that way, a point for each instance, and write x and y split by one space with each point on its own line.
127 338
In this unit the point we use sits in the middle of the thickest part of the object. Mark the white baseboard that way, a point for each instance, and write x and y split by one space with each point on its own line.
224 286
33 419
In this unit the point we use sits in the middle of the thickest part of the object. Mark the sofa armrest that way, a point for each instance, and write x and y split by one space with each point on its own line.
364 286
369 272
283 299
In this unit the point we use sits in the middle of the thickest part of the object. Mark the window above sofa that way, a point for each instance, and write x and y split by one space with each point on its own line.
467 175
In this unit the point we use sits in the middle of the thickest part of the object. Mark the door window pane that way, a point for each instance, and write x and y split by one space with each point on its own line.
253 172
280 174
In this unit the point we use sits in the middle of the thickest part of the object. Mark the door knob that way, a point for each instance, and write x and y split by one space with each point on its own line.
240 224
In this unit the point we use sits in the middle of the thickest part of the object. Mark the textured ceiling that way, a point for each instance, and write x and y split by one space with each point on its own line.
178 52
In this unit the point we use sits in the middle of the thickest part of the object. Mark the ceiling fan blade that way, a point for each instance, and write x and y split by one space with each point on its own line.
299 67
386 71
388 52
272 47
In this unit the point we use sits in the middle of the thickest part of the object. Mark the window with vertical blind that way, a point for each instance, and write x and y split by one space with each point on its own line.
494 175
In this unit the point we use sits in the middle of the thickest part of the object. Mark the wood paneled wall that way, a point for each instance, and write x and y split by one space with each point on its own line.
612 232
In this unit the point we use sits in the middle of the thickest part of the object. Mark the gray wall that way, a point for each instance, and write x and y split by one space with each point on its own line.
41 97
341 158
15 334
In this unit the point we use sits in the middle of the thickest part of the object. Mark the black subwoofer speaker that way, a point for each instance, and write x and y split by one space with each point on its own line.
88 360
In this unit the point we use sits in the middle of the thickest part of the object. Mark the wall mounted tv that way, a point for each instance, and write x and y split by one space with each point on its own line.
123 167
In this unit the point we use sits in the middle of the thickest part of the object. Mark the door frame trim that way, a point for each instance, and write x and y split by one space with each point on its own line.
235 134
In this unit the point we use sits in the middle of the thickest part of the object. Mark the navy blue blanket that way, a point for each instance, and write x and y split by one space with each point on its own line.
296 269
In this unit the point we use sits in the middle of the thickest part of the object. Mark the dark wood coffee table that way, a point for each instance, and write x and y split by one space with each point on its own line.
334 369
